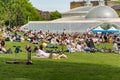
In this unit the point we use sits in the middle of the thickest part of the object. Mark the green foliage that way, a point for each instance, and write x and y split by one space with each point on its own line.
115 1
17 12
118 12
55 15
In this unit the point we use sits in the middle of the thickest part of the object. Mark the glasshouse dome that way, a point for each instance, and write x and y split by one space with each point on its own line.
102 12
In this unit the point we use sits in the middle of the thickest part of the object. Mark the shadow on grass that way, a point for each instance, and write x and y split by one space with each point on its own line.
55 70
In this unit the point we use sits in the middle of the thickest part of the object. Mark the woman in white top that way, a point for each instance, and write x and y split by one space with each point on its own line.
79 47
70 48
42 54
53 41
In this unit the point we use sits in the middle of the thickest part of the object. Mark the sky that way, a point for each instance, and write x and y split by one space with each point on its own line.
52 5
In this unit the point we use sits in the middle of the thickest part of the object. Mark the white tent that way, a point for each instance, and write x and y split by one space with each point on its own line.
98 29
112 29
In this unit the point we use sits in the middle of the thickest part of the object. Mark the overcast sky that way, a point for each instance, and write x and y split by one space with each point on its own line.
52 5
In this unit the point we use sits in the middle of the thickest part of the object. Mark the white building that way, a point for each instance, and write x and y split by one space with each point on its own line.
78 19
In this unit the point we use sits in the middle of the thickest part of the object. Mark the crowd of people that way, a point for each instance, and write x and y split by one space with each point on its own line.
74 42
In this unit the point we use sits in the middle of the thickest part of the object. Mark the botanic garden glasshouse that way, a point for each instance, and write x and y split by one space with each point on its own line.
79 20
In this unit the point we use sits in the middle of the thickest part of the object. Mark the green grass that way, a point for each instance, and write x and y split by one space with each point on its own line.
78 66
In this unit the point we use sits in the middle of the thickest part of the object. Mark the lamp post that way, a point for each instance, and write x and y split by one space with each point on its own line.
28 19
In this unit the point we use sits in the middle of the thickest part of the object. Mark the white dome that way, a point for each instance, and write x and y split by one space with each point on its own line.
102 12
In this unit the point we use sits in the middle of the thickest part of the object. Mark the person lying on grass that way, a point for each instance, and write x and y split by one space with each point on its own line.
42 54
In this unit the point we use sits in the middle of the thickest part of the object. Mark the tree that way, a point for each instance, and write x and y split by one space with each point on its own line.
16 12
55 15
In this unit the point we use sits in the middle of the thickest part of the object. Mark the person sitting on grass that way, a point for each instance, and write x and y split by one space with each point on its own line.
70 48
2 47
79 47
42 54
45 45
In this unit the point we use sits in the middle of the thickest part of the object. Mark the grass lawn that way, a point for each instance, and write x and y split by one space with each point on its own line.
78 66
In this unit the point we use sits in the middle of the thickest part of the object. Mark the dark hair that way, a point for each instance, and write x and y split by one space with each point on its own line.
41 47
36 48
118 39
28 48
